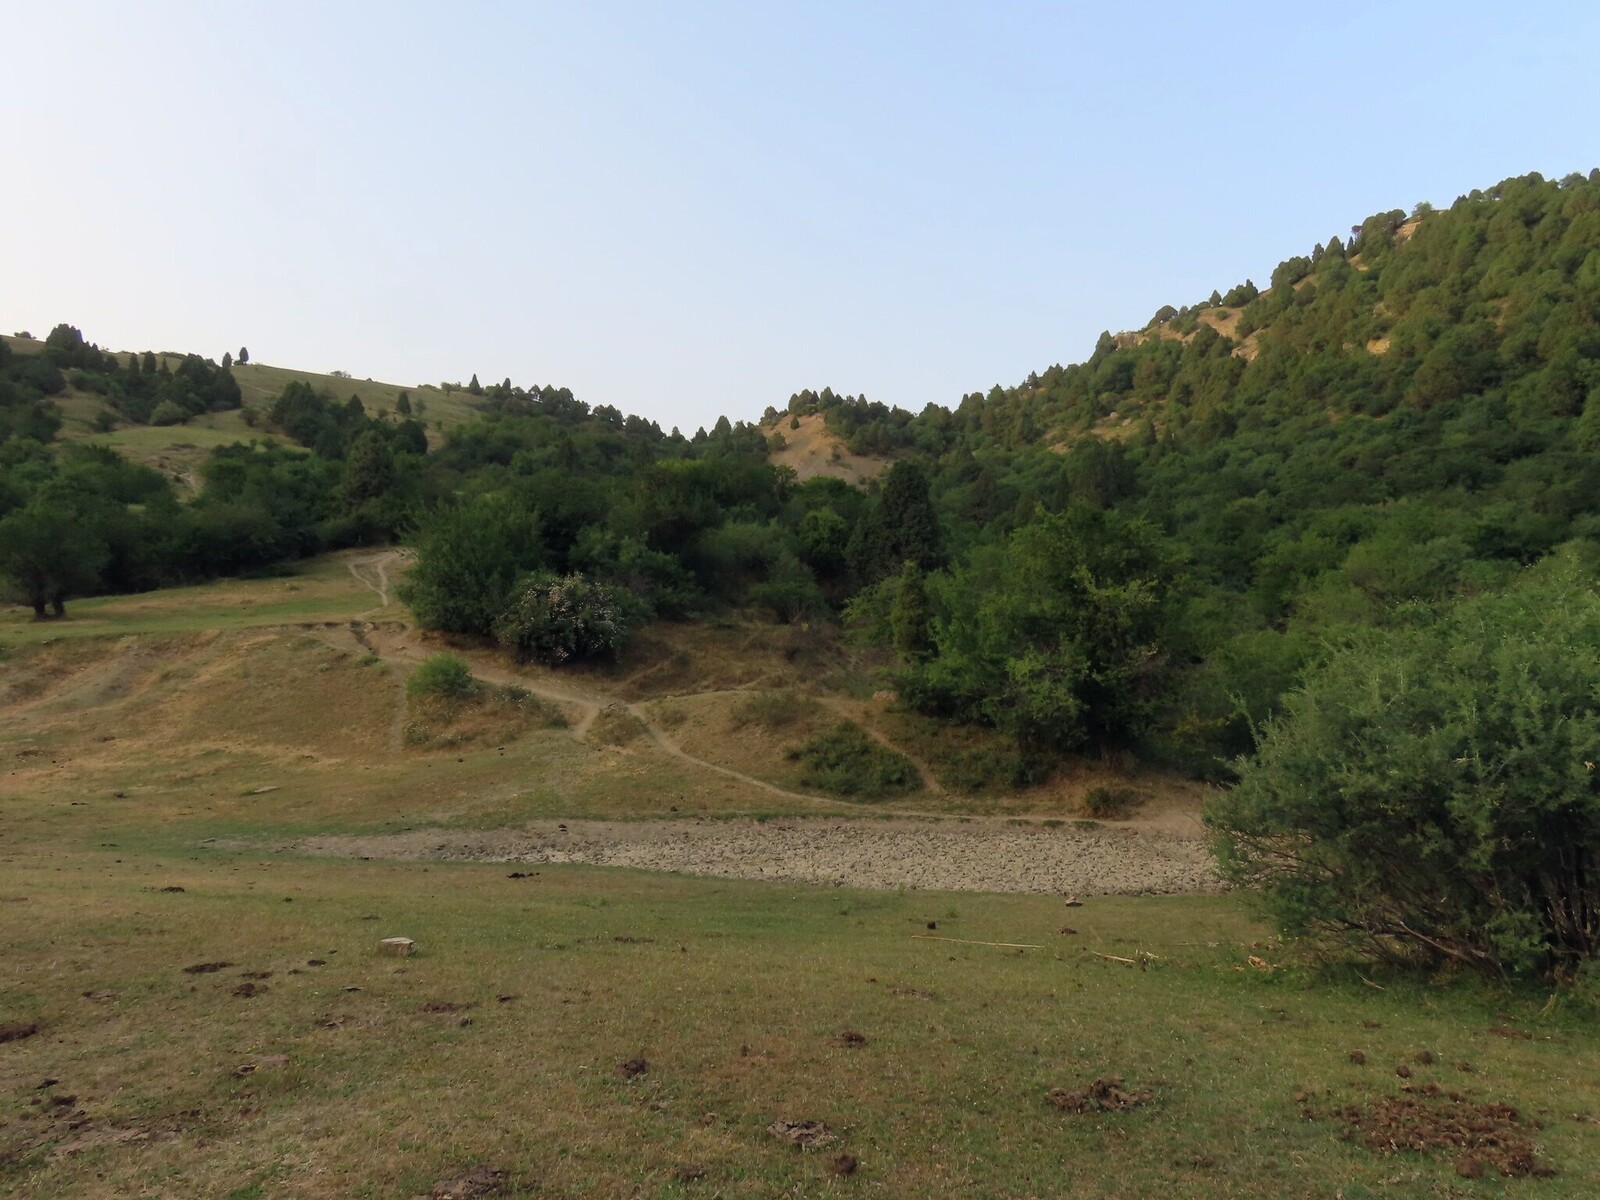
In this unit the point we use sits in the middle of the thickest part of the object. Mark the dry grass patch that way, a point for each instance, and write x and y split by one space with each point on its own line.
750 732
811 450
669 659
491 716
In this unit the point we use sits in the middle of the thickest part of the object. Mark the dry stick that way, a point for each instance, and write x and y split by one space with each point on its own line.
928 937
1115 958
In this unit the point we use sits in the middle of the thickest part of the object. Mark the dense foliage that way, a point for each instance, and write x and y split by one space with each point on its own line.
1431 792
1142 552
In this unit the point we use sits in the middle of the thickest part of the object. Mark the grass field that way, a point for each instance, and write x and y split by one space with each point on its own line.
157 752
323 590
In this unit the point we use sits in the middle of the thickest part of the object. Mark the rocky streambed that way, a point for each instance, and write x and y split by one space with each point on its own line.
976 855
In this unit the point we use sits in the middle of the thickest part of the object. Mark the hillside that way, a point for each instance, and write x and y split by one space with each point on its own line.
763 833
1403 416
806 445
177 451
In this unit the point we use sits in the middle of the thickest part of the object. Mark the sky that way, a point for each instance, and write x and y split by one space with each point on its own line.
693 209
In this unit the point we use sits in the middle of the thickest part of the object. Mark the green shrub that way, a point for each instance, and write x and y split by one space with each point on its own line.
167 413
1106 803
443 675
847 762
1431 793
558 619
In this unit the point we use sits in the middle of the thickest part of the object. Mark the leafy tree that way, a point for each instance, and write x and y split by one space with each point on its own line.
901 527
369 471
48 554
1059 637
167 413
911 617
789 592
469 557
402 404
244 356
825 536
1431 793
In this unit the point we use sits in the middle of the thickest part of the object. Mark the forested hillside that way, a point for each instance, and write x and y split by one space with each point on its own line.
1136 554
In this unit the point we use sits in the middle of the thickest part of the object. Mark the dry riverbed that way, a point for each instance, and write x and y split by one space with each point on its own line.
980 855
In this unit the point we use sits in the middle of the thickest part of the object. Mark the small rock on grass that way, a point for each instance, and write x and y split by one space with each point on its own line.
397 947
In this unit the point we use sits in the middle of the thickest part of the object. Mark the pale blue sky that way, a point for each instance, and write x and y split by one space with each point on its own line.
690 209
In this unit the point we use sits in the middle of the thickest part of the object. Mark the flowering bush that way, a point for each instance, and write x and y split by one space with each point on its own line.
556 619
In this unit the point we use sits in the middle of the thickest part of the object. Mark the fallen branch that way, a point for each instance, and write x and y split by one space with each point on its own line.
928 937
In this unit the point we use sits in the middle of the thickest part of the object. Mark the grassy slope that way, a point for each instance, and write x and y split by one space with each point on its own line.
178 450
124 755
321 590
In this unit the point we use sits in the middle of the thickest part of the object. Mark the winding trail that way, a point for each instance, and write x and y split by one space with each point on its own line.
380 571
590 705
397 643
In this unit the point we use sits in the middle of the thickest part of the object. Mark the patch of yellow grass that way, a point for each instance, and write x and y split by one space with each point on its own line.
811 450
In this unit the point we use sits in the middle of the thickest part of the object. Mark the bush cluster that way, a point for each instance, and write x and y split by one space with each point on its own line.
847 762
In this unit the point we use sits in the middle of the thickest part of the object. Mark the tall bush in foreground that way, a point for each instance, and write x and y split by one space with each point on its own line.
1432 793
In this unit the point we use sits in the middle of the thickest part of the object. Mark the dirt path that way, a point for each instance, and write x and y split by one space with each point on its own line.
378 581
591 706
927 855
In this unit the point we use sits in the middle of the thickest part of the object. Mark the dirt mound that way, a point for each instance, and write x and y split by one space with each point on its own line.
1103 1095
477 1181
1480 1135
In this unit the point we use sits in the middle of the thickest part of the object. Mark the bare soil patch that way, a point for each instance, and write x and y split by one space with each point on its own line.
811 450
807 1135
1479 1134
1103 1095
